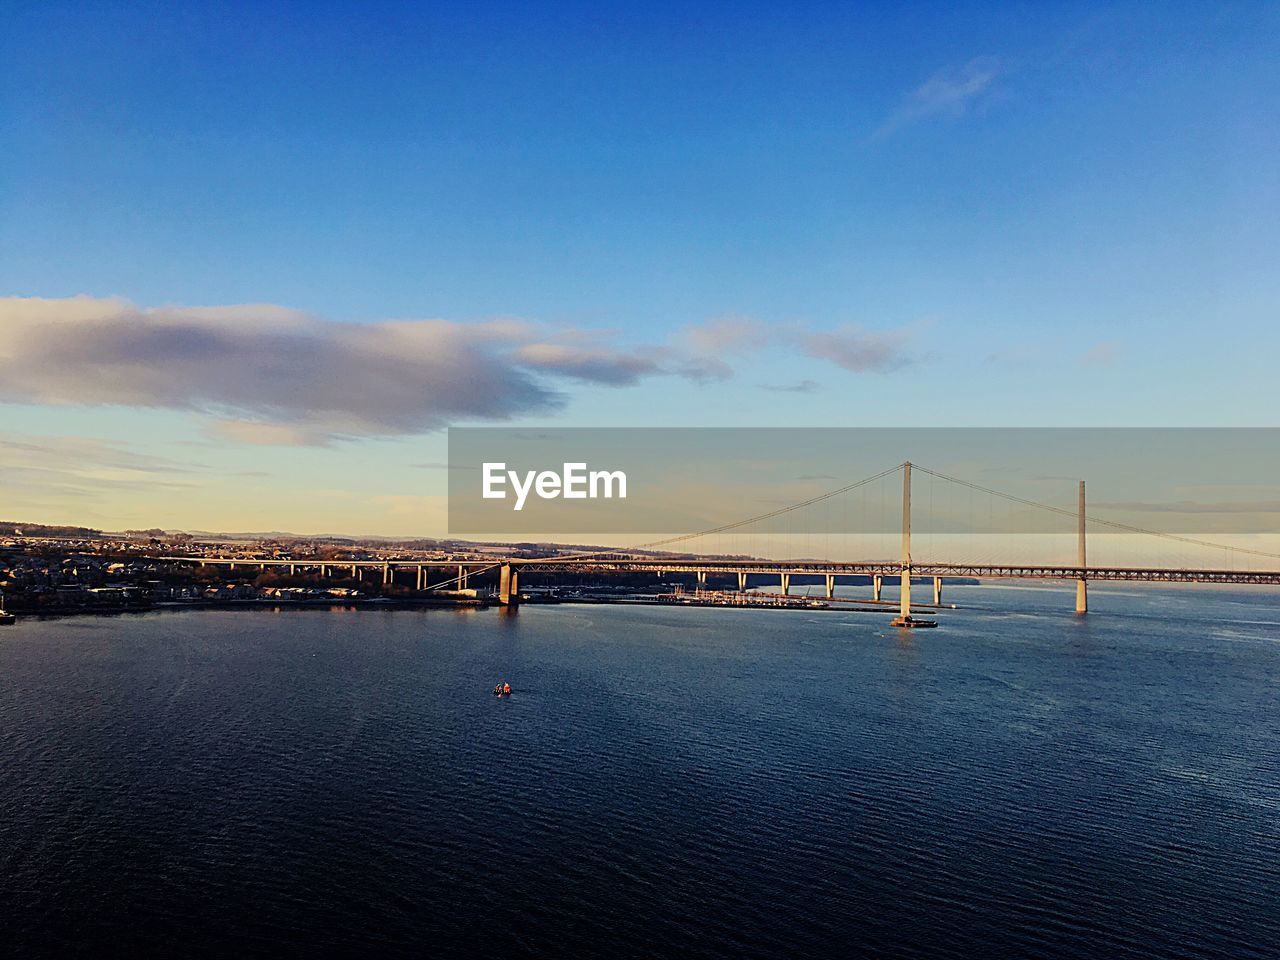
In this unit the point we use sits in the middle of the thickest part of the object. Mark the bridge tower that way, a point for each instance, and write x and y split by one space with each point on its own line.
903 619
904 605
1082 587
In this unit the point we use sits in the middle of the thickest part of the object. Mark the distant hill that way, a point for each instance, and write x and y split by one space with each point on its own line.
12 528
282 538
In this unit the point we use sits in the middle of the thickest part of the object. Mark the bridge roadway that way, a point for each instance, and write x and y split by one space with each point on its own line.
885 568
874 568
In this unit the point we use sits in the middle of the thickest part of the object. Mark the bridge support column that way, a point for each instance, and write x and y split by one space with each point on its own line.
877 585
1082 586
355 572
702 579
937 591
291 570
231 565
904 603
831 586
786 583
742 582
387 575
421 571
462 577
508 585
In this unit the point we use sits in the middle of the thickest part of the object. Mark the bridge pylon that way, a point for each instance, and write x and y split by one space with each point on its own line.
1082 585
904 618
904 602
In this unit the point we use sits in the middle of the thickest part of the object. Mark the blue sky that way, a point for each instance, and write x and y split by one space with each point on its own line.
759 214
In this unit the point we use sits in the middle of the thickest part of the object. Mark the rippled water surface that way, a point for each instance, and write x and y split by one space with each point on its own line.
690 782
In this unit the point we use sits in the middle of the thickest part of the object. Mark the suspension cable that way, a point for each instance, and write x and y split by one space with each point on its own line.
1114 524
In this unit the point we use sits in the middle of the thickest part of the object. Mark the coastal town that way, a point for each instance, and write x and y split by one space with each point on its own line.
64 570
69 570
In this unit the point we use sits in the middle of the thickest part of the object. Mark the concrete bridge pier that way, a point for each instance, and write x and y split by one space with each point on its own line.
291 570
742 582
877 585
702 579
387 575
462 577
831 586
786 583
508 585
324 571
421 572
937 591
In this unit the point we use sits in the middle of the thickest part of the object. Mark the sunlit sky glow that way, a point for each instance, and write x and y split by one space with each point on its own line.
278 248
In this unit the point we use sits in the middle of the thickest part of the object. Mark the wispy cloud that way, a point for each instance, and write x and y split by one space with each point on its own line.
851 347
802 386
47 473
953 91
703 346
723 335
859 351
592 364
703 370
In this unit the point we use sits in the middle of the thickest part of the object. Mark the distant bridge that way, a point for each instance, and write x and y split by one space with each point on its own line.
904 570
511 569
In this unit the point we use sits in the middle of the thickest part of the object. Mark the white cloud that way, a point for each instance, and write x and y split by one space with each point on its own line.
268 375
272 375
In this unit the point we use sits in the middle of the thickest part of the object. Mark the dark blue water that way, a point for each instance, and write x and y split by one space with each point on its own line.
703 783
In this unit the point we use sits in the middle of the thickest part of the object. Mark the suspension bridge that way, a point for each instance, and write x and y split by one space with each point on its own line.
723 546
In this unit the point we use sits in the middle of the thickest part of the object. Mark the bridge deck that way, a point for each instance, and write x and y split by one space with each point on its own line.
885 568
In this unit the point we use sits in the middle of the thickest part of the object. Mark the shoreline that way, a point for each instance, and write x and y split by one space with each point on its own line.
262 605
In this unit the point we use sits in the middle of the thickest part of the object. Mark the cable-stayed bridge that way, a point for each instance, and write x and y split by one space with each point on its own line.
988 545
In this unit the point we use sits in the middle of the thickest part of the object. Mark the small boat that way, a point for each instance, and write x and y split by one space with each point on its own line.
912 622
502 690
